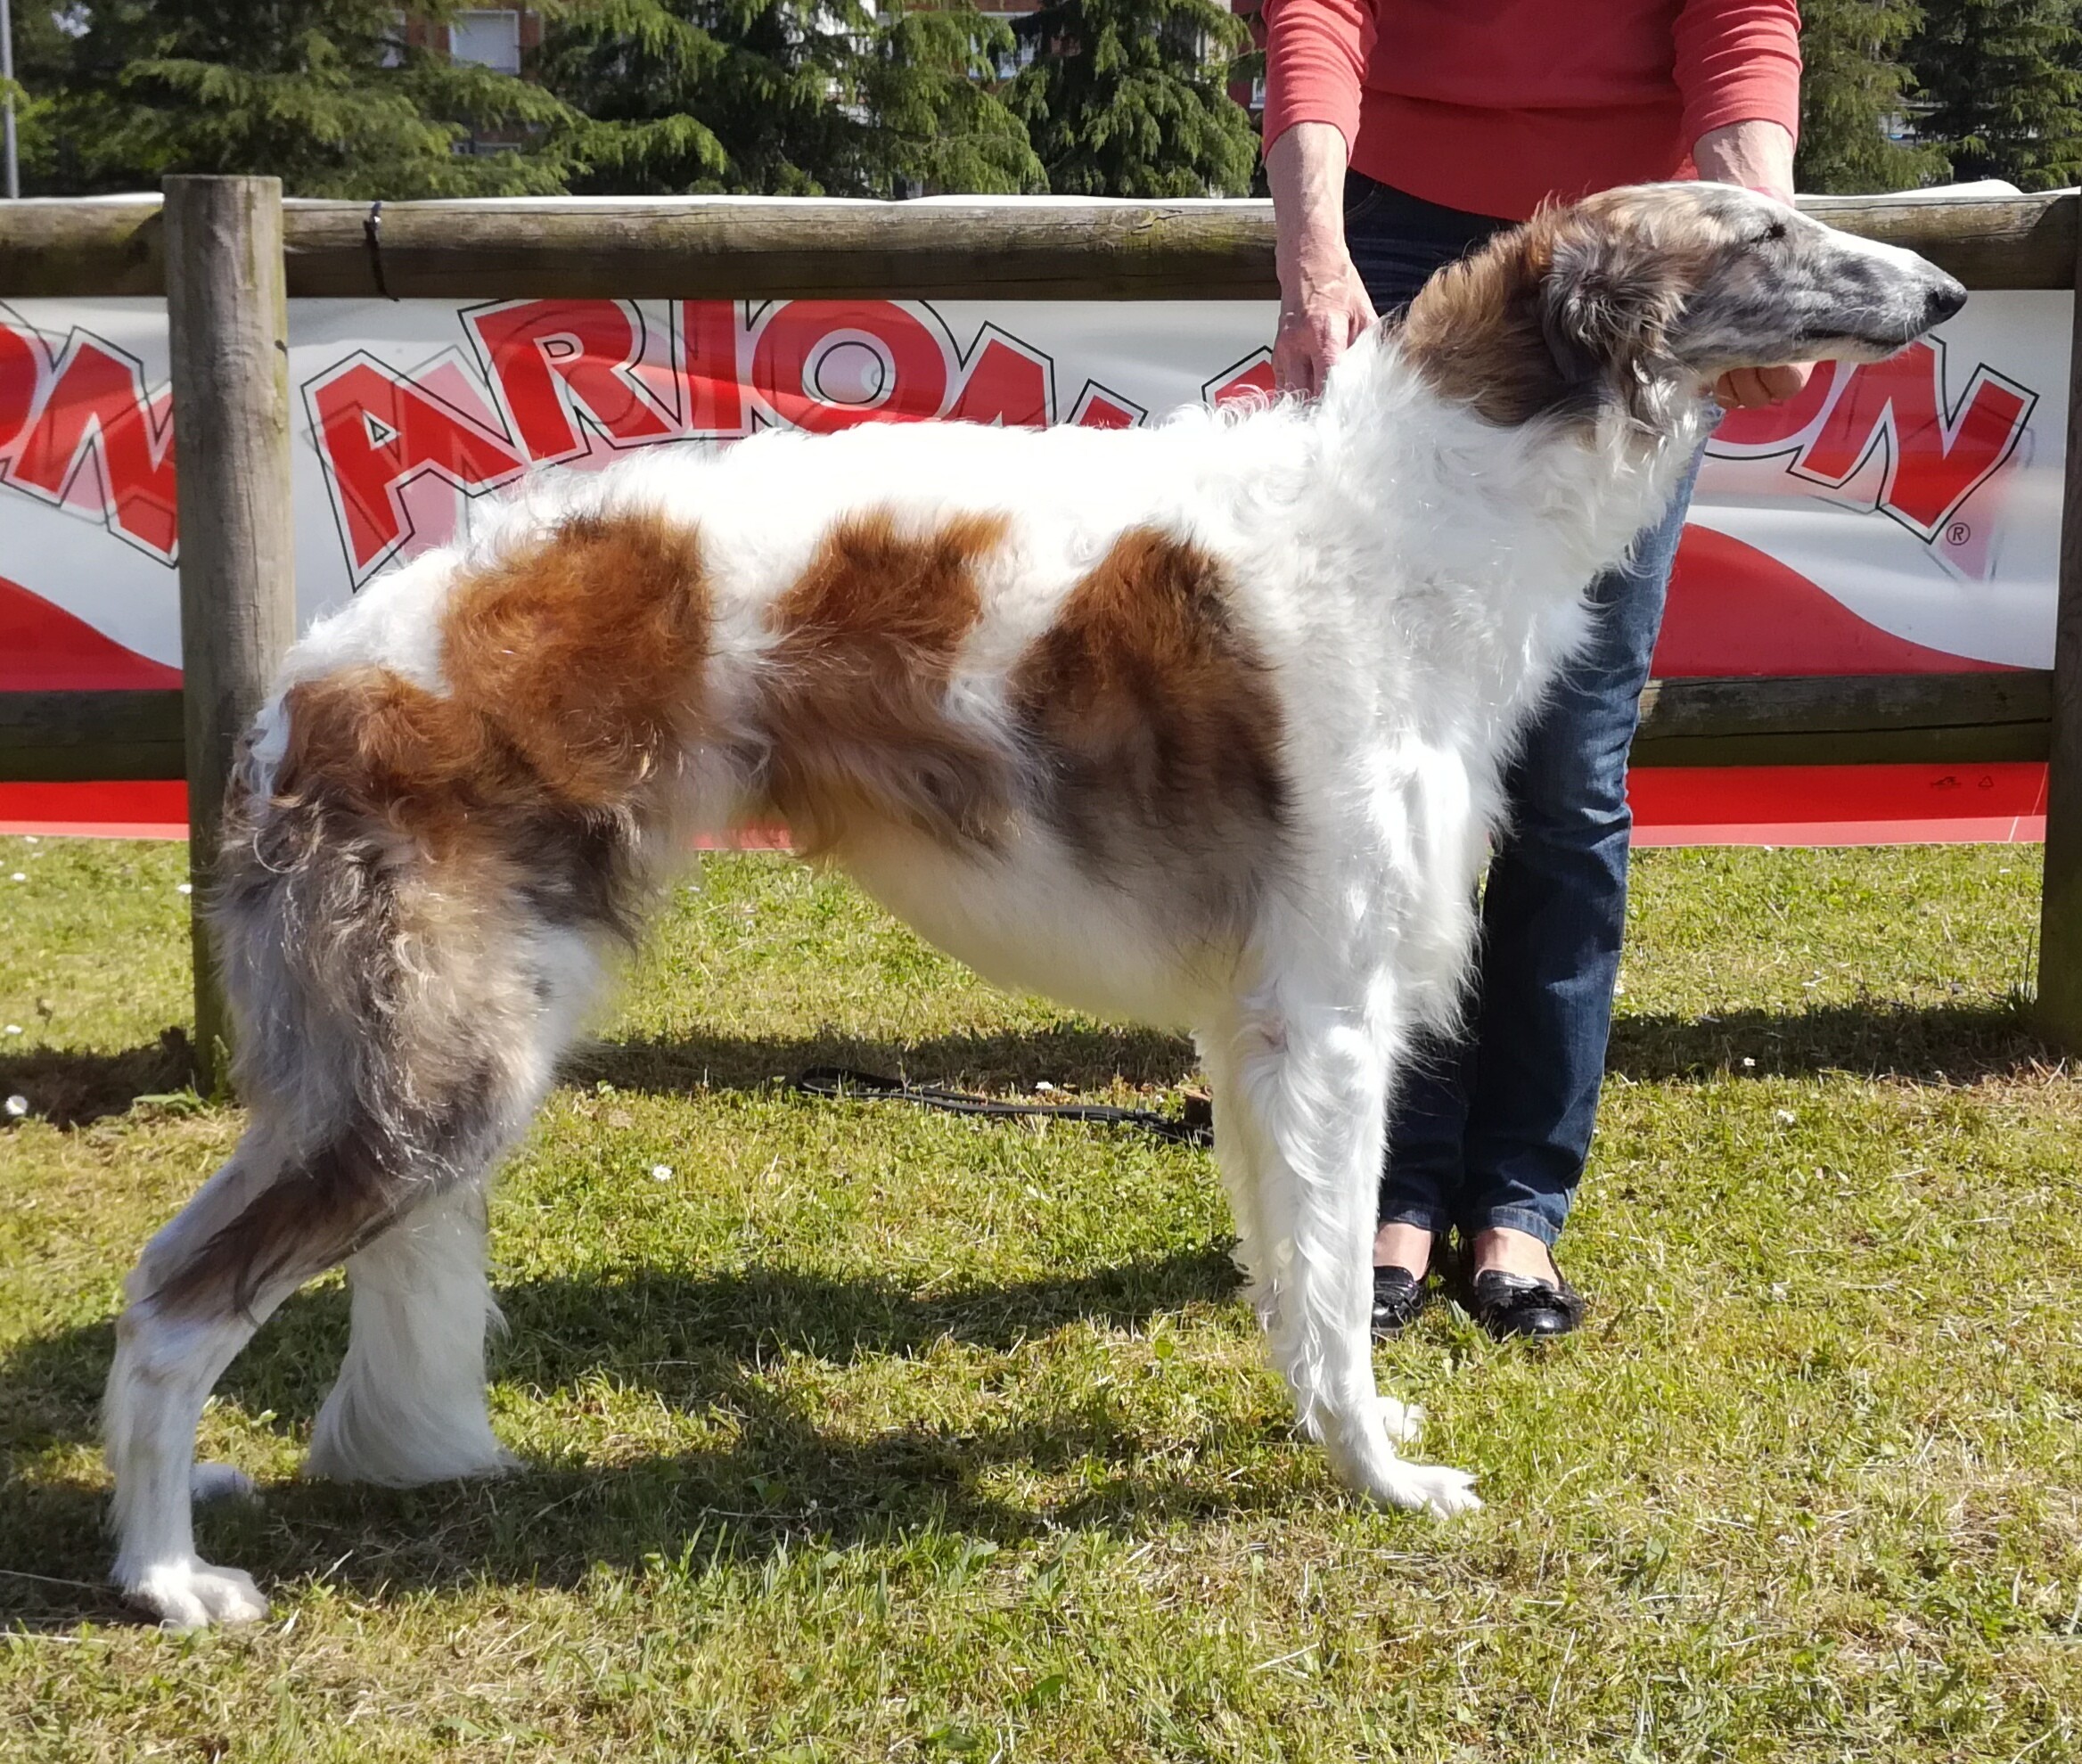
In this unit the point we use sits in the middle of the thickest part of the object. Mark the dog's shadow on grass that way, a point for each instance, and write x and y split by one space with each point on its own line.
76 1086
1923 1044
696 1343
1069 1055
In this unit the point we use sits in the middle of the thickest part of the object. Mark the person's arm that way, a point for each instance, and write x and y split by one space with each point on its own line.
1738 66
1324 307
1316 59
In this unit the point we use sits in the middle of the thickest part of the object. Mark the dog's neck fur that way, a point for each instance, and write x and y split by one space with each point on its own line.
1498 532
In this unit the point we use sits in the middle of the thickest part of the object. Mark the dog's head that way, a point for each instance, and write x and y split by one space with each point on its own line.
1639 299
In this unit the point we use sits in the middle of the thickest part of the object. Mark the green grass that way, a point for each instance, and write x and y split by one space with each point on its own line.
873 1434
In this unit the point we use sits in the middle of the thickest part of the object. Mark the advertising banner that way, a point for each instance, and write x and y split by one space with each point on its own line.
1900 516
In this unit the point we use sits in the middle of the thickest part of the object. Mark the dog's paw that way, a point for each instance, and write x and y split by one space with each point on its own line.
1404 1422
219 1482
193 1594
1436 1488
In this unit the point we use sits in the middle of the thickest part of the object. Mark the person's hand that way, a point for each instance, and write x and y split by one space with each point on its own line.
1324 310
1753 388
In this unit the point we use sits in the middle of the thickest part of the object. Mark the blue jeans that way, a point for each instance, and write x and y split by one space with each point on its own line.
1492 1128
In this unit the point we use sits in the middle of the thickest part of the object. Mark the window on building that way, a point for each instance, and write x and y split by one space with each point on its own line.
487 40
1021 54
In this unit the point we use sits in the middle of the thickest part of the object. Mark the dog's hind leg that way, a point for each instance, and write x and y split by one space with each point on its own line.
409 1403
168 1357
1308 1081
269 1220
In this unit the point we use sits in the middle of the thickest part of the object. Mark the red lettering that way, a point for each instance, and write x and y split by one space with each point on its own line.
555 359
97 406
377 432
1008 382
19 375
1097 408
714 400
827 365
1935 461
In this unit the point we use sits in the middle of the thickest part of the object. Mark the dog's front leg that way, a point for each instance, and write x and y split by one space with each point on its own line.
1301 1100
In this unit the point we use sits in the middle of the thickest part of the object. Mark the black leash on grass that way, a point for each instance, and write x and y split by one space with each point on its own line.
1195 1127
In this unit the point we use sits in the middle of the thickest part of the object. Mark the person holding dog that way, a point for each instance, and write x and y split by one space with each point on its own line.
1399 134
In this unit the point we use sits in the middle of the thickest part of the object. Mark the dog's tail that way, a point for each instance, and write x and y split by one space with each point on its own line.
387 1008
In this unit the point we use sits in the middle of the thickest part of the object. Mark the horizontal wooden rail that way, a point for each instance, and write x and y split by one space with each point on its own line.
1846 720
698 248
1939 718
73 737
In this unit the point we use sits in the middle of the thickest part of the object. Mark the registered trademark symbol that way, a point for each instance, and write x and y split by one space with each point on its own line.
1958 533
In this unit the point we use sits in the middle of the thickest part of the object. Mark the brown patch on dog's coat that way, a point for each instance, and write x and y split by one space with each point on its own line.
1157 722
854 716
586 653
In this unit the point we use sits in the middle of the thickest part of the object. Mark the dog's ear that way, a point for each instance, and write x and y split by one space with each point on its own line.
1606 304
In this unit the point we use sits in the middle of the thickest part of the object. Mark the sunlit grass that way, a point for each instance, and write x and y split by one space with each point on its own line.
869 1433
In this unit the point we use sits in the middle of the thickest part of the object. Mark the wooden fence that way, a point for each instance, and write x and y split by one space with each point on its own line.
227 253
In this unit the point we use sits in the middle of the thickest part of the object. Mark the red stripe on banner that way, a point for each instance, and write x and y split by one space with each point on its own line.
1734 610
1839 805
44 648
159 811
156 809
1673 805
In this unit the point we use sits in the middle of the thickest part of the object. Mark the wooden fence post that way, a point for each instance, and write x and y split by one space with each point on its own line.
2059 923
227 322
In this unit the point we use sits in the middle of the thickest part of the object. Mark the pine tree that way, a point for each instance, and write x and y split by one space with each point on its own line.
783 97
1854 84
2005 97
324 93
931 85
1130 98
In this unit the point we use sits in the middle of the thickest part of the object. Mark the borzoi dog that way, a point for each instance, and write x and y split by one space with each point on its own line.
1198 725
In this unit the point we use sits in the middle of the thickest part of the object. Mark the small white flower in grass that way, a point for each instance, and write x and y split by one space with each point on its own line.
1042 1085
1748 1062
14 1028
16 1108
1778 1292
184 888
661 1172
1784 1117
18 876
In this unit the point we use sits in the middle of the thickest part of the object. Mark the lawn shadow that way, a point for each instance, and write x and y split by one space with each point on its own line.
698 1342
1935 1044
70 1088
1086 1056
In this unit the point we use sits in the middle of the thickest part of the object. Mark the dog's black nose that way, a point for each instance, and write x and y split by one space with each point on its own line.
1945 298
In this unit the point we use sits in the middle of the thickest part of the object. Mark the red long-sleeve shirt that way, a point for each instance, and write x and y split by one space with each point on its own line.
1494 105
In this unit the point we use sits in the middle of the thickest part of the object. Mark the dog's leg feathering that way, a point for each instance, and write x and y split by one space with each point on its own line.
1307 1104
409 1403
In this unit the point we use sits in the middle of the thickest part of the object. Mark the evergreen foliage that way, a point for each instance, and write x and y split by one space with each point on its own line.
1855 82
783 97
323 93
2006 98
1130 98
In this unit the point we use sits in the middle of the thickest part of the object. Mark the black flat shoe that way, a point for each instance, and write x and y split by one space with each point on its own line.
1398 1296
1510 1305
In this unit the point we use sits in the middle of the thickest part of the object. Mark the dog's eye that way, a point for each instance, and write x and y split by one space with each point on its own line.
1770 235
